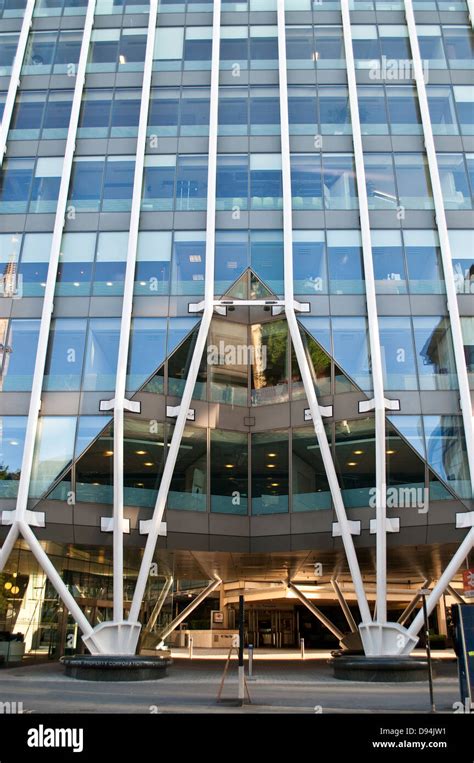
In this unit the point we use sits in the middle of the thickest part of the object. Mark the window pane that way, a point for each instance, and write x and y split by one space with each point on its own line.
269 363
355 460
310 488
414 186
270 473
101 354
147 350
454 182
345 262
462 253
188 489
53 451
65 354
75 264
228 359
229 472
435 355
309 262
339 182
425 270
110 264
33 268
306 181
351 349
398 359
389 264
19 355
12 439
188 264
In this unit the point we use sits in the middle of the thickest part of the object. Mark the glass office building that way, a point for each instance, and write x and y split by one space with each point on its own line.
237 314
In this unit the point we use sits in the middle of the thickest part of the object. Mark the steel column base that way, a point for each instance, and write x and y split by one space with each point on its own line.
386 639
113 638
115 668
380 669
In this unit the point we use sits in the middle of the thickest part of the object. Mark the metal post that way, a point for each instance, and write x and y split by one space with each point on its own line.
411 606
190 647
378 403
119 403
190 608
302 648
15 77
241 649
295 332
250 671
445 579
203 329
316 612
445 246
428 650
159 604
344 606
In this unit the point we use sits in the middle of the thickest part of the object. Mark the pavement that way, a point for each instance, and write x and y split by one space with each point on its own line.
279 685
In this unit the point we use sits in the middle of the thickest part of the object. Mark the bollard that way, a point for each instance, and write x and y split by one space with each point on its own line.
302 648
190 645
250 648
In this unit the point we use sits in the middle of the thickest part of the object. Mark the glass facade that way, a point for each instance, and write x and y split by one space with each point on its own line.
249 455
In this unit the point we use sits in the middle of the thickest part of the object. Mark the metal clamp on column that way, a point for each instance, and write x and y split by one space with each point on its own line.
33 518
145 527
392 525
326 412
353 526
107 525
369 405
172 411
134 406
466 519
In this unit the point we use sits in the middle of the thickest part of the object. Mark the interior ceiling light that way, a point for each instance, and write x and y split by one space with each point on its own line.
352 463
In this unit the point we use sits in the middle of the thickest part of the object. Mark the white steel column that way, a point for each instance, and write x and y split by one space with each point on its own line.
295 332
203 328
15 77
464 549
453 308
119 403
374 338
21 518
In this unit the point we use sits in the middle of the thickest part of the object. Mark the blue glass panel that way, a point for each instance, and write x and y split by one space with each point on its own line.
101 354
158 187
232 182
86 184
446 451
187 276
12 440
435 355
191 182
147 350
306 188
20 354
398 359
15 182
309 265
163 115
65 354
351 350
118 184
267 258
232 258
339 181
